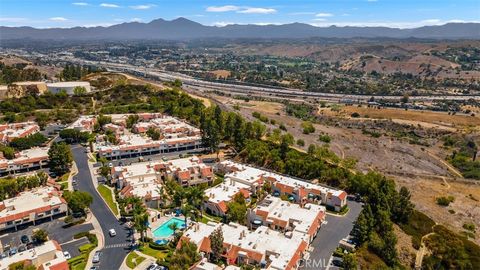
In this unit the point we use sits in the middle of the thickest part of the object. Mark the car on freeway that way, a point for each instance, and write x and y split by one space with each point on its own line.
67 255
112 232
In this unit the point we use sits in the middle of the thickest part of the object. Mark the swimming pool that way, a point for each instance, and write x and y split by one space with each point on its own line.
164 230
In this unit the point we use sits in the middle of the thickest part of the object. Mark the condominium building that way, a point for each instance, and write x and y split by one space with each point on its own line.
8 132
139 180
264 247
145 179
187 171
287 217
30 207
84 123
175 135
219 196
48 256
296 190
24 161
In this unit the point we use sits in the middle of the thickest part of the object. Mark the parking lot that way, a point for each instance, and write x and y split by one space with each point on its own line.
55 232
335 229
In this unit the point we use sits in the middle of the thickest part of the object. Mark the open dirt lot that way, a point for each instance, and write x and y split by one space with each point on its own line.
425 118
466 207
421 170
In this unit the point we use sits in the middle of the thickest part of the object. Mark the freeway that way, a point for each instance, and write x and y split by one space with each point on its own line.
116 248
201 85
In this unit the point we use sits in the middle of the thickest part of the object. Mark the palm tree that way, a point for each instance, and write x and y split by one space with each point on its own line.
141 224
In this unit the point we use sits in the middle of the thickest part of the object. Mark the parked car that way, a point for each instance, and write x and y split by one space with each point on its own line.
93 268
152 266
96 257
3 255
112 232
25 239
67 255
22 248
13 251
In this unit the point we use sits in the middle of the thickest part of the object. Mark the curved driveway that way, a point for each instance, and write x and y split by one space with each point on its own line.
116 248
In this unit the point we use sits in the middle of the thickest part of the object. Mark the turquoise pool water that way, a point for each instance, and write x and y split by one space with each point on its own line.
164 230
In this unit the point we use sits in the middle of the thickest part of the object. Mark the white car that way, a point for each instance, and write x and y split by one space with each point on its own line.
67 255
112 232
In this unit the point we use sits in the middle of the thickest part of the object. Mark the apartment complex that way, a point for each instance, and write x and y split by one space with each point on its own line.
287 217
219 196
8 132
263 247
297 190
24 161
48 256
175 135
145 179
84 123
30 207
139 180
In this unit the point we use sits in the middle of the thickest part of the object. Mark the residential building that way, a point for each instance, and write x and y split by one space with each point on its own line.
287 217
205 265
297 190
8 132
48 256
219 196
262 247
140 180
25 161
145 179
188 171
137 145
84 123
30 207
175 135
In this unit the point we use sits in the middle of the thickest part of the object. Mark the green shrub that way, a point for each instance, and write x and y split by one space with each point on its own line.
445 201
324 138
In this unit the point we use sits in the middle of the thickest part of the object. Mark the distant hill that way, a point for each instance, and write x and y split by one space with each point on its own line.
184 29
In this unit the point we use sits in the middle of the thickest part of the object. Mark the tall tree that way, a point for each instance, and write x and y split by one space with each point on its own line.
216 244
60 158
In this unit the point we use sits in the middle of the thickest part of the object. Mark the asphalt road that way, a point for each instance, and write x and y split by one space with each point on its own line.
116 248
329 235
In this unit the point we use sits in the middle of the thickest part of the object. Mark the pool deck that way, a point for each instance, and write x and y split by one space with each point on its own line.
159 221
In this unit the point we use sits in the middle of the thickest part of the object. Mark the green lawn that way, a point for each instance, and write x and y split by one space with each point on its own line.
133 259
158 254
108 198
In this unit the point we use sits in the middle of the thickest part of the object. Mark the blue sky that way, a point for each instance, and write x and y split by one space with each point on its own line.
392 13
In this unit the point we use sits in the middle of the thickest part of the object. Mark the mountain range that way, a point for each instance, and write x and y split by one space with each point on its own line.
184 29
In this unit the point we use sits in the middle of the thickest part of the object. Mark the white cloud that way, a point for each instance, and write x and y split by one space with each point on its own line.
252 10
108 5
80 4
319 19
58 19
136 20
222 24
324 14
142 7
222 8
